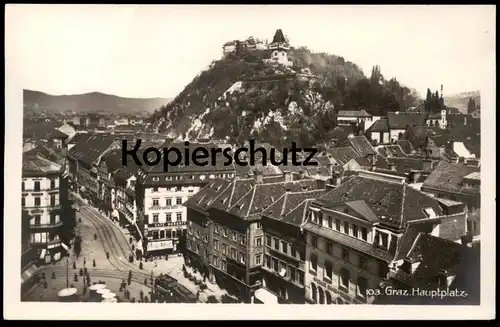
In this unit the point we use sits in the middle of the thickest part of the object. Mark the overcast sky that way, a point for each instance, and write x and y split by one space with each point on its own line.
154 51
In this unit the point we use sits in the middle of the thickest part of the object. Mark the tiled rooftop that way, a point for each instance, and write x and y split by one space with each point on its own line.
449 176
392 203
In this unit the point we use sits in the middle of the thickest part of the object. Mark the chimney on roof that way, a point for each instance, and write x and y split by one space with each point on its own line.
330 168
415 175
336 179
370 157
302 174
259 177
288 176
392 166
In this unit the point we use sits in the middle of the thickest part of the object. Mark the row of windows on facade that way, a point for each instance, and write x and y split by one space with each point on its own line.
345 227
283 247
37 201
236 237
328 264
284 270
37 185
201 177
168 217
37 220
172 189
43 237
168 202
162 234
233 252
344 281
198 234
196 247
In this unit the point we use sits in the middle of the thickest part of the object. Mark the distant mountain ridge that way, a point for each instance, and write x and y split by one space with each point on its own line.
460 100
90 102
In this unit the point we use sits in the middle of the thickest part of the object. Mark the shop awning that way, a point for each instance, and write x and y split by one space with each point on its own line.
265 296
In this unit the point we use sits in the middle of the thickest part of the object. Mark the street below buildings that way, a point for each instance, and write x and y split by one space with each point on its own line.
100 236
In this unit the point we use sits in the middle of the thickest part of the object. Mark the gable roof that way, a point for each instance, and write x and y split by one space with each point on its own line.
408 164
392 203
41 130
35 163
93 147
263 195
353 113
202 199
393 150
380 125
438 135
436 256
50 154
291 206
342 154
361 145
449 177
80 138
399 120
406 146
339 133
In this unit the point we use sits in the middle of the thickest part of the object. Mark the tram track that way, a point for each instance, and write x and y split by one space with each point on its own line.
107 234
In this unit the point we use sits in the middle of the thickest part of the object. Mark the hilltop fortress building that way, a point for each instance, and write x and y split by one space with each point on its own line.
278 48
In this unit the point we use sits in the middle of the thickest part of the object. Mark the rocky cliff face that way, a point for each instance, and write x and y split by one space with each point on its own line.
240 97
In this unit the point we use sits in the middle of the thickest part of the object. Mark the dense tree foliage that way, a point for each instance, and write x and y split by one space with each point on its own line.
433 103
472 106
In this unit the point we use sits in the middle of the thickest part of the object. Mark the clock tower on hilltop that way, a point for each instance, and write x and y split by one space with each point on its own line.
279 49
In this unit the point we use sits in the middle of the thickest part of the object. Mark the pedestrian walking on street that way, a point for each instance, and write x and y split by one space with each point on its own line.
95 236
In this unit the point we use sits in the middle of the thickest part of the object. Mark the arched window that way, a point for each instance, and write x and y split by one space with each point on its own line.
314 292
328 298
321 296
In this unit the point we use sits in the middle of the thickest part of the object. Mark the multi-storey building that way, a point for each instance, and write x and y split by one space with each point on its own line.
45 203
233 226
82 159
361 230
457 182
199 240
161 194
283 262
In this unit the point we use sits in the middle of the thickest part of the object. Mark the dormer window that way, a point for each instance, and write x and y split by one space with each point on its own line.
430 213
381 240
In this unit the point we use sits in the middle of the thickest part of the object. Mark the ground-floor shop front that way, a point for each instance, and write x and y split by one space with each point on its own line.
236 288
